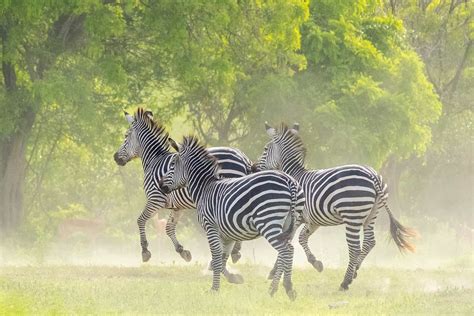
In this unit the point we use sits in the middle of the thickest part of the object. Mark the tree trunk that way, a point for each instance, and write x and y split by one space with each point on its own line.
12 176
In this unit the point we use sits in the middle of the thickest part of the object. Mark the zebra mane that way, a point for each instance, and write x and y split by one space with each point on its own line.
193 144
286 133
156 129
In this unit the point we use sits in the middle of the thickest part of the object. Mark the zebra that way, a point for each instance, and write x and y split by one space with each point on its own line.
267 204
148 140
349 195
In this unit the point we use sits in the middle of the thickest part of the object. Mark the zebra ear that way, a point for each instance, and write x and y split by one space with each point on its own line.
173 144
270 130
128 117
296 128
149 114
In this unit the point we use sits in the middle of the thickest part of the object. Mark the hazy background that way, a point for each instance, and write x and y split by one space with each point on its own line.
383 83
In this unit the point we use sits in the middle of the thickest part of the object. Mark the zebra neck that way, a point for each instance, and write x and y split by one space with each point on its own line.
294 169
198 181
151 149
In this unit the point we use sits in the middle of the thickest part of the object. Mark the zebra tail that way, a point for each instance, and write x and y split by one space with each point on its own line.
400 234
289 232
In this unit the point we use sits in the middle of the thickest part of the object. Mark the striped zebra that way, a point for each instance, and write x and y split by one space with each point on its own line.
351 195
148 140
266 204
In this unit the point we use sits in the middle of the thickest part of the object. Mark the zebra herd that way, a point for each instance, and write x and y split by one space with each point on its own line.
238 201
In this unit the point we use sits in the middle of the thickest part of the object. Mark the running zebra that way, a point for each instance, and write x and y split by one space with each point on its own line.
349 195
148 140
267 204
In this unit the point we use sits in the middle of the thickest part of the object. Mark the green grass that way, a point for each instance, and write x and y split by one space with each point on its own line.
184 290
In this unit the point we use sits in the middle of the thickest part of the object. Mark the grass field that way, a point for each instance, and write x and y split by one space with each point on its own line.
184 290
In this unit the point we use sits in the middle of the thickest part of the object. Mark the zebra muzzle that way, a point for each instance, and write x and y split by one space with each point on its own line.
118 160
163 187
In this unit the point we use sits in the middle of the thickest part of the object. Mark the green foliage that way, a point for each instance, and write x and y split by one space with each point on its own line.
357 77
364 95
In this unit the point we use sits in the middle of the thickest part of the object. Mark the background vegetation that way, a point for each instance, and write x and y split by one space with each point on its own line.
384 83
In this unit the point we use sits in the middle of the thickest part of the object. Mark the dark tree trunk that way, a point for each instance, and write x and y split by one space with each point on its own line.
12 176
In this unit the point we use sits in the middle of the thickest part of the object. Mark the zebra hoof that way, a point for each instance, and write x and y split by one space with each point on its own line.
318 265
343 287
272 291
146 255
186 255
213 291
235 278
291 294
235 257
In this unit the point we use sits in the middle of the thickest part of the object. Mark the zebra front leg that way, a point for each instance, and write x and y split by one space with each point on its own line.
146 214
173 219
306 232
236 252
216 253
367 246
353 242
235 278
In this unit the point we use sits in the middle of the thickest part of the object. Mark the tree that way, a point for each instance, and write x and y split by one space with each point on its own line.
47 49
442 34
364 95
216 51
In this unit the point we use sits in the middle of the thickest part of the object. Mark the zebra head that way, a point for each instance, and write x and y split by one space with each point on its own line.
285 146
191 156
174 177
130 148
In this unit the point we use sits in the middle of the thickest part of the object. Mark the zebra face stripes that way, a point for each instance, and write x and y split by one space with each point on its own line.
130 147
267 204
349 195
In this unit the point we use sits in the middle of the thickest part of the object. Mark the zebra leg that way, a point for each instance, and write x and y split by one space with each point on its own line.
147 213
236 252
216 252
284 260
353 241
369 243
171 232
306 232
287 270
271 275
227 246
298 222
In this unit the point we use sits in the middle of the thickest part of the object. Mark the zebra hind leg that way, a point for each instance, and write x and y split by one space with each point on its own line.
171 232
283 264
287 270
353 241
271 275
367 246
306 232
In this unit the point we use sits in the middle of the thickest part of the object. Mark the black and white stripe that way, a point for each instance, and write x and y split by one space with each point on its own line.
148 140
267 204
349 195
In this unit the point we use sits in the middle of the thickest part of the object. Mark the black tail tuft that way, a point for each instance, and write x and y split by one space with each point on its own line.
402 235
